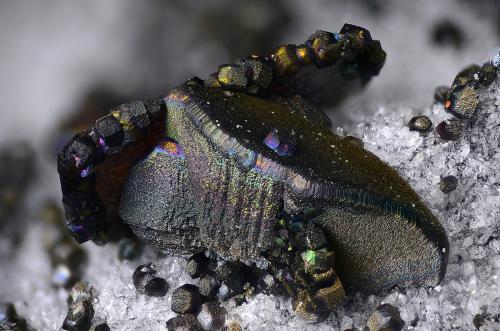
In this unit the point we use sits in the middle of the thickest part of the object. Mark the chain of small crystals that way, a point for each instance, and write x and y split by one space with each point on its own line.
110 134
254 75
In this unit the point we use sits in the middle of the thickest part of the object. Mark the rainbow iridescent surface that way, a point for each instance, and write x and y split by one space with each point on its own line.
245 164
170 147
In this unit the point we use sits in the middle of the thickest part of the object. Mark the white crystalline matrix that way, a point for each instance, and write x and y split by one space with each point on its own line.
470 214
467 299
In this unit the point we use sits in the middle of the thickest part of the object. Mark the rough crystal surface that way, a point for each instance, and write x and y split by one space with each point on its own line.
469 214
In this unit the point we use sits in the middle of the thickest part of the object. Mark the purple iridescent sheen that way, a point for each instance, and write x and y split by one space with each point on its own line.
275 142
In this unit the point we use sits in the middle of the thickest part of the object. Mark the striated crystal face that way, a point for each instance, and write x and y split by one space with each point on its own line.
246 150
241 170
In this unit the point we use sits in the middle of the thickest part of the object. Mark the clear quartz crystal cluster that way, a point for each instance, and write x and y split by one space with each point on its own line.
469 293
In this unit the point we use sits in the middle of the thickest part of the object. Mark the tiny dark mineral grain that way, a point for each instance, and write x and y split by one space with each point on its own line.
232 326
209 286
186 299
199 264
102 327
385 318
420 124
81 309
212 316
463 102
448 184
156 287
185 322
450 129
146 281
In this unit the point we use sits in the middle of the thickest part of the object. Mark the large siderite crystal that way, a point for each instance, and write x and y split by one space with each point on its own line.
245 165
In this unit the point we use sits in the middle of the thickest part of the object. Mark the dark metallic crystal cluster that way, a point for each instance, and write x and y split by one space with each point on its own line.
76 163
244 164
81 308
462 99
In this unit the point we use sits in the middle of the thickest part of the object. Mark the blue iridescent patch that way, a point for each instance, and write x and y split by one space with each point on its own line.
279 144
87 171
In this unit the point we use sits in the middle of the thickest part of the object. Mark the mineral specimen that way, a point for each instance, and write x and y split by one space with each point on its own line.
184 322
385 318
212 316
462 99
102 327
420 123
236 162
450 129
186 299
81 310
209 286
146 281
448 184
425 157
199 264
468 214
